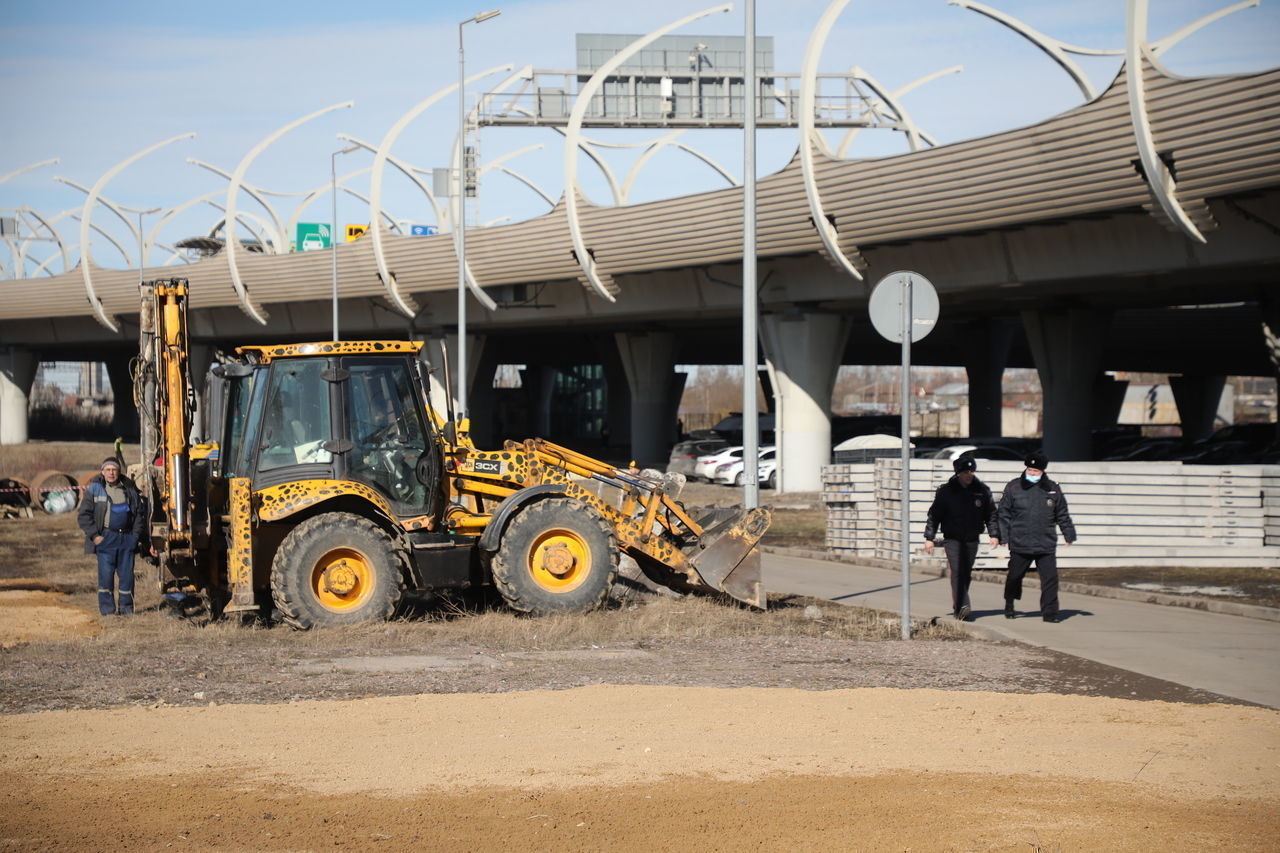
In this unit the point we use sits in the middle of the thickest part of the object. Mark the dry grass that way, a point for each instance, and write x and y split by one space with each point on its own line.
653 623
47 552
1249 585
798 528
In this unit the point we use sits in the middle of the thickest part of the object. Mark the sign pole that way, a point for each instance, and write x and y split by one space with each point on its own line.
750 404
905 528
904 306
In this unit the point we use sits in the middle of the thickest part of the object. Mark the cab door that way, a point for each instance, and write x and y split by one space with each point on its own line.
389 435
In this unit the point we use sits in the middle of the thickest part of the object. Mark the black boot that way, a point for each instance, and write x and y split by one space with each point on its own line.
1008 608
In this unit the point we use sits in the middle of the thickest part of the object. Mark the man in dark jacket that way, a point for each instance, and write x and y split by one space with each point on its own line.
114 520
1031 512
962 507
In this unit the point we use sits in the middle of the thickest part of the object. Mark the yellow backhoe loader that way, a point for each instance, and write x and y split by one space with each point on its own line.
329 486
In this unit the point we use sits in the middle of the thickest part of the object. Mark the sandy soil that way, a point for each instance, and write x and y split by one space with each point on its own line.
27 615
355 740
648 768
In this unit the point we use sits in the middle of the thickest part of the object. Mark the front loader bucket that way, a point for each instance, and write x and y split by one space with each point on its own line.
725 556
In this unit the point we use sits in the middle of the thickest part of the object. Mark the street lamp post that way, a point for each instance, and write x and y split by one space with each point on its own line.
141 245
460 222
333 227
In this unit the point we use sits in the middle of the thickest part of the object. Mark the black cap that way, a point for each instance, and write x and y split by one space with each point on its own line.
110 460
1037 460
964 463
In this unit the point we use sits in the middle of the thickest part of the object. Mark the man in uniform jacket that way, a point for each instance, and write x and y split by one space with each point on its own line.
114 520
1028 518
962 507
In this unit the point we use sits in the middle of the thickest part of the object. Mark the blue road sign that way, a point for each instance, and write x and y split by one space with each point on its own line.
423 230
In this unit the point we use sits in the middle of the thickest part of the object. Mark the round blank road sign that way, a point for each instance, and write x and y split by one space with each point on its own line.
885 306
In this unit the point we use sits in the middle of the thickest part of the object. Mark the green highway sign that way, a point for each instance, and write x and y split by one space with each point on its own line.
310 236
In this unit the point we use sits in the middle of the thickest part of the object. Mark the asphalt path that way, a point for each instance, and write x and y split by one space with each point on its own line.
1231 655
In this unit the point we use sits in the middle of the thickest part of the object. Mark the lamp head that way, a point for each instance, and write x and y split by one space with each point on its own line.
484 16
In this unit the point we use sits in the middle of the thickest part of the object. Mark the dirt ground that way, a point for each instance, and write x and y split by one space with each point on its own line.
648 768
667 725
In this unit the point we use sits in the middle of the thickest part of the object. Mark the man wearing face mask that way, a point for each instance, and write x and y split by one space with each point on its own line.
1028 518
962 507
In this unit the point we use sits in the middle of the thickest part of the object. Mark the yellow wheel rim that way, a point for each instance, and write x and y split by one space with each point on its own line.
342 579
559 560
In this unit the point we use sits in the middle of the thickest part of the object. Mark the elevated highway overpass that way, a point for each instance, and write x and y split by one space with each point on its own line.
1049 246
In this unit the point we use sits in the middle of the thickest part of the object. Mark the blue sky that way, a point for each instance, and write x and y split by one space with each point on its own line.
92 83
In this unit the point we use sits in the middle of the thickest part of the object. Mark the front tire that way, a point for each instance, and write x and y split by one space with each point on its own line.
556 556
335 569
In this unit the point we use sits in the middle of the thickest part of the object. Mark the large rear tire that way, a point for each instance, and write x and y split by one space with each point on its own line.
335 569
556 556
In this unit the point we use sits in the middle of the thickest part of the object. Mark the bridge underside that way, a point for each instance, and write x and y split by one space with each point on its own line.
1075 297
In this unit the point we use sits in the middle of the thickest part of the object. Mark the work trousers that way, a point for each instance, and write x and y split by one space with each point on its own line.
115 560
960 557
1046 566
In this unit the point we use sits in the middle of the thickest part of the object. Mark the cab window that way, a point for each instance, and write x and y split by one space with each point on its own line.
295 423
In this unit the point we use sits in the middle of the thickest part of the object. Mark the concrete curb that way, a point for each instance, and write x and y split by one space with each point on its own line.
1209 605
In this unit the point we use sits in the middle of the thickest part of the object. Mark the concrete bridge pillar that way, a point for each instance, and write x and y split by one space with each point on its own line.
986 356
17 372
1198 398
1067 347
803 354
124 420
648 359
539 381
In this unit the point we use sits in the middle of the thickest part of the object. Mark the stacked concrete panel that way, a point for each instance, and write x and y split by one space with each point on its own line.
1126 513
852 514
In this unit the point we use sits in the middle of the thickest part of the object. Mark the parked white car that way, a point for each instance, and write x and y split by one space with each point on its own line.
953 452
705 467
769 472
730 472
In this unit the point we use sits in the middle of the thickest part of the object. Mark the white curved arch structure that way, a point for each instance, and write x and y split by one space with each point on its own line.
106 235
16 172
893 101
586 146
237 178
281 238
85 256
1055 49
404 304
118 209
497 164
310 196
261 233
810 138
668 140
401 166
1163 187
602 283
1161 45
47 224
525 74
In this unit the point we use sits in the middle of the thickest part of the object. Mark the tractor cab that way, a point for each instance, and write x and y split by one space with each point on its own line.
330 411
